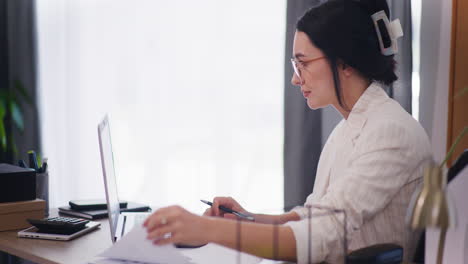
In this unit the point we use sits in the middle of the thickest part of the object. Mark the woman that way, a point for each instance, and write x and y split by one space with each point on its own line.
370 165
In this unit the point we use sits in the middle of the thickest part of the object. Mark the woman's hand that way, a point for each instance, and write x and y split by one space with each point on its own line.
183 227
228 202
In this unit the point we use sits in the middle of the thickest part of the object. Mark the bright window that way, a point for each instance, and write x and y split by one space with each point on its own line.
194 90
416 19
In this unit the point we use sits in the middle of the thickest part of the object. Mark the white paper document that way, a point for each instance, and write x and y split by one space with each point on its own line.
215 254
135 248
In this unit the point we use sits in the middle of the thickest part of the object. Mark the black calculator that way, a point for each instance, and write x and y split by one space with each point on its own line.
59 225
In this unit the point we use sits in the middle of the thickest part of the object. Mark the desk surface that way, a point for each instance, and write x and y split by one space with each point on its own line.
76 251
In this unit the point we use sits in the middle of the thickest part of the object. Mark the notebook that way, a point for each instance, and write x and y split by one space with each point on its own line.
98 214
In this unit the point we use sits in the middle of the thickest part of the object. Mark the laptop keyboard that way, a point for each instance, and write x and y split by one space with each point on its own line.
130 220
140 218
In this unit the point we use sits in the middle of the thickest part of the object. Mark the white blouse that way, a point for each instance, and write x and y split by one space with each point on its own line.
370 166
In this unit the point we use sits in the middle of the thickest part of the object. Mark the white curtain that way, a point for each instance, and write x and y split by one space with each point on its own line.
194 91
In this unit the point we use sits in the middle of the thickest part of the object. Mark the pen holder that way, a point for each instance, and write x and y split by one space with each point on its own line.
42 189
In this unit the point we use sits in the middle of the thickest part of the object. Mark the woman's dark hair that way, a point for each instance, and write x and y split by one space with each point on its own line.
345 32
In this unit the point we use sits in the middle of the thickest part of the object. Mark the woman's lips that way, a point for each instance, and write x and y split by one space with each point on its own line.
306 94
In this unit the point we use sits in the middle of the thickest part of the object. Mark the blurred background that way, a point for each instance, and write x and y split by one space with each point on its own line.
193 89
198 94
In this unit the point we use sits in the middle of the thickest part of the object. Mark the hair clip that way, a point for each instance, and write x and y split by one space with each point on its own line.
388 43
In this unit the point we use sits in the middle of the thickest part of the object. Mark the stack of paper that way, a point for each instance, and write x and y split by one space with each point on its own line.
135 248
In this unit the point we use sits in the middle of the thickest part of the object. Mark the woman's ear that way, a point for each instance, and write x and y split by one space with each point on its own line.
347 70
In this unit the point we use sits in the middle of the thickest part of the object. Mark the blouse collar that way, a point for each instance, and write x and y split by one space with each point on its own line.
373 96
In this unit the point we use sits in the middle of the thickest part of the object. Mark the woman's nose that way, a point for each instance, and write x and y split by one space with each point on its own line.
295 80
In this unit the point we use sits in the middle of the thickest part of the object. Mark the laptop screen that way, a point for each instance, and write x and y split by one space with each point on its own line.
108 171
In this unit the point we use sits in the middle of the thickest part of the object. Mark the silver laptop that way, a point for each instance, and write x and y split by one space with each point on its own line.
120 223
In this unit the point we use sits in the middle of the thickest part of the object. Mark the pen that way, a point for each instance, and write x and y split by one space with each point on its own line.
22 164
32 160
225 209
43 169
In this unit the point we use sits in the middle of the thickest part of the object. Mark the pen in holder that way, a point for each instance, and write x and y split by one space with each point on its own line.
42 177
42 188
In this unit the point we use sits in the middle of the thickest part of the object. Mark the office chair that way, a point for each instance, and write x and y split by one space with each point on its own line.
376 254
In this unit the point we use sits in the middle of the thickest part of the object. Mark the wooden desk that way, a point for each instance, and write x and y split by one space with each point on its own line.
76 251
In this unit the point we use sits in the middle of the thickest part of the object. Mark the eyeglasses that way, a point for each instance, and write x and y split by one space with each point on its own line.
300 65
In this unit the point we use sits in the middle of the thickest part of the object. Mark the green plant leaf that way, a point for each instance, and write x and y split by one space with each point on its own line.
3 93
39 160
17 115
2 108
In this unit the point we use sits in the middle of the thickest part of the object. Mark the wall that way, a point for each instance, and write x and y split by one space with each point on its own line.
435 59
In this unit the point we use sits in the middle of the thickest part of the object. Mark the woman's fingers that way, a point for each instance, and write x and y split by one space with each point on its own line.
228 202
176 225
215 207
156 221
149 220
208 212
162 217
161 232
167 240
